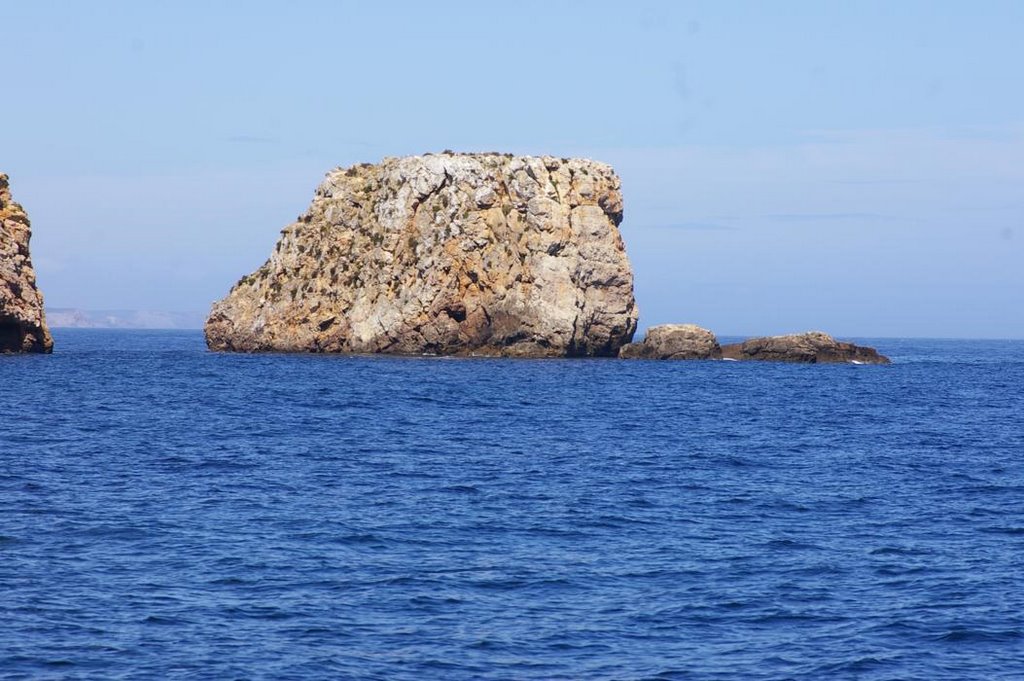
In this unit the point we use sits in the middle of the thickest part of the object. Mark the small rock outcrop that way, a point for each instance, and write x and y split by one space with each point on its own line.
810 348
674 341
22 320
488 254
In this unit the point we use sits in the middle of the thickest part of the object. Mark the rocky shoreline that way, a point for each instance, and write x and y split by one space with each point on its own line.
469 254
441 254
689 342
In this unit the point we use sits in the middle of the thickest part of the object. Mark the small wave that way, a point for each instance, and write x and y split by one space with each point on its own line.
790 544
116 532
900 570
229 581
508 584
434 600
787 506
895 551
358 538
1013 531
461 489
617 521
224 465
862 664
260 613
163 619
980 636
790 617
542 531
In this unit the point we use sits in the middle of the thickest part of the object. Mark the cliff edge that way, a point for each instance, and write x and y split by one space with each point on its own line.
22 320
488 254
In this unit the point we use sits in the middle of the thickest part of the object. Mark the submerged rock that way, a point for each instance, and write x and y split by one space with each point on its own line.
446 254
22 320
814 347
674 341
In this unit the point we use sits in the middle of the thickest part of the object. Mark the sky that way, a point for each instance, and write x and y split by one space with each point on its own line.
856 168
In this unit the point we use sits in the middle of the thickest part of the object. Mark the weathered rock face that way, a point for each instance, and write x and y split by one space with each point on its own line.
674 341
448 254
813 347
22 321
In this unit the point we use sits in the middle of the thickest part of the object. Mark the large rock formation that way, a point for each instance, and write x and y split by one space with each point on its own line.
22 321
814 347
449 254
674 341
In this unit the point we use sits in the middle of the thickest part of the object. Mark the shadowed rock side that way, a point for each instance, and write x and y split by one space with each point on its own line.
674 341
449 254
22 321
811 348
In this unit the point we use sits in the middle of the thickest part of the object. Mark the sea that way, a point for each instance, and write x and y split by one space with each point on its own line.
171 513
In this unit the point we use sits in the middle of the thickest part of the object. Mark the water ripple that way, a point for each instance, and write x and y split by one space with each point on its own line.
171 513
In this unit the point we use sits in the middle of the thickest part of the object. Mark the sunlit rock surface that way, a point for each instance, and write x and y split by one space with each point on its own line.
674 341
487 254
813 347
22 320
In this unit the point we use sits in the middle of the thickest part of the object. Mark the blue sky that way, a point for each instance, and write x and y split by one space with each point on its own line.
851 167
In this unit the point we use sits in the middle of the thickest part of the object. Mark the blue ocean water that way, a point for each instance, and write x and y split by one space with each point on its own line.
170 513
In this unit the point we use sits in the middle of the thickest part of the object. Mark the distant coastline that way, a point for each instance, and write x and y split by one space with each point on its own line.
75 318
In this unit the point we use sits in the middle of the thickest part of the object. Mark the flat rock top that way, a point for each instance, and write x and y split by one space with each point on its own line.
445 254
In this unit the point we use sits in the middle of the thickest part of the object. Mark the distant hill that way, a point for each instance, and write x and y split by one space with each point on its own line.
72 318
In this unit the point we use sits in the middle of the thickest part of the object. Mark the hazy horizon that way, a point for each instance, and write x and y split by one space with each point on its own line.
854 169
126 322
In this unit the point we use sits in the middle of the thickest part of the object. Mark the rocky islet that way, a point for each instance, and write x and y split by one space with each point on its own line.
449 254
22 318
813 347
469 254
464 254
688 341
674 341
